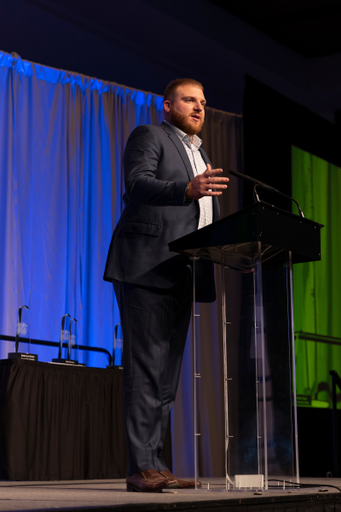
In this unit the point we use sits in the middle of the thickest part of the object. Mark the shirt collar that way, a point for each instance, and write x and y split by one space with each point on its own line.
184 137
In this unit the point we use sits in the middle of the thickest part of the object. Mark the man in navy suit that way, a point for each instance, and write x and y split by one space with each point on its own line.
171 190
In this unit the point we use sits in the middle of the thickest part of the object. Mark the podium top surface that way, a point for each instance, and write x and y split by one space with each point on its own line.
260 230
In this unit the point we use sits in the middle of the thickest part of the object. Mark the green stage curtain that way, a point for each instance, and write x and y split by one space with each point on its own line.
316 185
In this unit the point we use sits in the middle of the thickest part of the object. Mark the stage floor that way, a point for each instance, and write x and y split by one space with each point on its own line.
111 495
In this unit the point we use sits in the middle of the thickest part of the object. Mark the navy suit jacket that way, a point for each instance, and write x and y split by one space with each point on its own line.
156 173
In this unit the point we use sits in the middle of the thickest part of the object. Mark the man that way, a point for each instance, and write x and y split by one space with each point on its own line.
171 190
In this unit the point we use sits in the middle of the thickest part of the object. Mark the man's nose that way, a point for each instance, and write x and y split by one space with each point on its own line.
198 107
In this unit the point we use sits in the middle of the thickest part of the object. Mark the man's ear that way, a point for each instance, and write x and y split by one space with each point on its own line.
167 105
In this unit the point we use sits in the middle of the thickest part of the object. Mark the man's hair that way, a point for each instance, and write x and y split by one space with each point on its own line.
172 86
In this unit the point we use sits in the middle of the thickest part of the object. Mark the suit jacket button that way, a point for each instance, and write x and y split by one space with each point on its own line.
197 216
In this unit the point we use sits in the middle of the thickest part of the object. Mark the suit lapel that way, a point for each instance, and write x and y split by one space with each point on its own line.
180 148
204 156
216 207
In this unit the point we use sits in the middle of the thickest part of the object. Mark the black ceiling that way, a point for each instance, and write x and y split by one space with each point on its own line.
309 27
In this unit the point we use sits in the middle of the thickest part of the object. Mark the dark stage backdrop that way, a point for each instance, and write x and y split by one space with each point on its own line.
62 137
272 125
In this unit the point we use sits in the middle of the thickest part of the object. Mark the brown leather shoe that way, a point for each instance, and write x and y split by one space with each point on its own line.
180 484
146 481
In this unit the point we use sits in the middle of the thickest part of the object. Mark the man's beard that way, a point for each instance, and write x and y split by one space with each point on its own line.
181 121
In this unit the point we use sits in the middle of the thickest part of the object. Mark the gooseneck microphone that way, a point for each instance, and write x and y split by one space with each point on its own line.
256 183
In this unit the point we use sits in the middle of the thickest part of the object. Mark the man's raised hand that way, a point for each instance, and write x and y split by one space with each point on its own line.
203 184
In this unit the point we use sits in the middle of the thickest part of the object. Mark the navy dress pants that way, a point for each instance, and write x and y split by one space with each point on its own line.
155 323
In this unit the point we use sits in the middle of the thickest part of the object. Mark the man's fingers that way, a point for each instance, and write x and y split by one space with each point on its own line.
210 172
219 180
210 185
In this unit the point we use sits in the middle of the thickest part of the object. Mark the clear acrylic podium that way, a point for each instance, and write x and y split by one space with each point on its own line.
262 242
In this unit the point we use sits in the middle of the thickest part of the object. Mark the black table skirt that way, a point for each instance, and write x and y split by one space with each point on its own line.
61 423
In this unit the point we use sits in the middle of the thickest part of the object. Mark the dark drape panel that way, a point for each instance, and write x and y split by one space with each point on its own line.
272 124
60 423
62 137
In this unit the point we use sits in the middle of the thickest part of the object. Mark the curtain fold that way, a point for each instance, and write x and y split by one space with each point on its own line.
62 137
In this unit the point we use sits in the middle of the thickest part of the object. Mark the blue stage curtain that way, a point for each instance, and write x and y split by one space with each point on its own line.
62 137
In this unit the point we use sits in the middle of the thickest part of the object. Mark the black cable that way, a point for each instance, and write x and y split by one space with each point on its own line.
301 485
